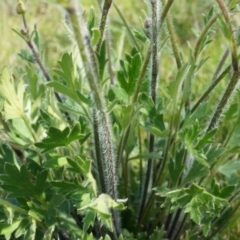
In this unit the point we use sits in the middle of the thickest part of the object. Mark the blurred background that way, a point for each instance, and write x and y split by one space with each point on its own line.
55 36
55 40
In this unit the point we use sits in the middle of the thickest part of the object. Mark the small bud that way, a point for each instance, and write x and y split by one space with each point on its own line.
24 32
148 23
148 27
21 8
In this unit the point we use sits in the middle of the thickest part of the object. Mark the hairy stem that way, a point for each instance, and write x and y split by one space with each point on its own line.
233 44
211 87
173 39
106 6
153 93
102 118
220 65
225 99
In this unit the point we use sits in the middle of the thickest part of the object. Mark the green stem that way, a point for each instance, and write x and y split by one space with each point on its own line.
211 87
104 128
37 59
220 65
98 153
233 44
166 10
173 39
105 10
127 26
225 99
153 93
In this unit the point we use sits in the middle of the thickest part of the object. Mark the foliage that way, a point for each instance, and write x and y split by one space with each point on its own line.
107 148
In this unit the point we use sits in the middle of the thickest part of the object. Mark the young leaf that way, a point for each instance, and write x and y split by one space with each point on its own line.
91 20
57 138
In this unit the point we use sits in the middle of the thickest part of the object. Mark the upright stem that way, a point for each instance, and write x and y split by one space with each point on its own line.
236 74
220 65
225 98
153 93
173 38
25 32
103 123
211 87
233 44
106 6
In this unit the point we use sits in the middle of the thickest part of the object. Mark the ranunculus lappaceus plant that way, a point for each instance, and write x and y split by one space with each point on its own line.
122 144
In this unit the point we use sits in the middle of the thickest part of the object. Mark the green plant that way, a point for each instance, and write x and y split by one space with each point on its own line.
105 148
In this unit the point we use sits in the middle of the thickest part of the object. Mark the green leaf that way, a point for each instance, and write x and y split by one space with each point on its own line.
101 206
227 191
84 99
197 171
53 209
18 183
129 73
102 60
140 36
13 94
232 4
68 71
134 71
155 130
13 207
36 37
91 20
198 202
69 224
83 166
189 138
175 86
31 232
96 34
194 210
68 187
58 138
198 115
230 168
7 155
22 228
175 167
206 139
58 87
225 28
7 229
120 93
56 162
88 220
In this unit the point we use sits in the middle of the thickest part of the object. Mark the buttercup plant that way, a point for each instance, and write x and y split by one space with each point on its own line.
108 147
